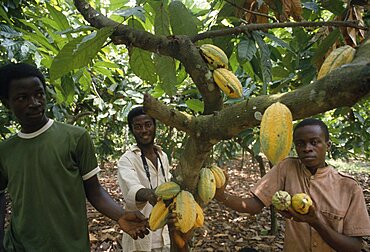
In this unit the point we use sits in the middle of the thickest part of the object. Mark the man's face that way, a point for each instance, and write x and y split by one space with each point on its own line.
143 129
27 101
311 146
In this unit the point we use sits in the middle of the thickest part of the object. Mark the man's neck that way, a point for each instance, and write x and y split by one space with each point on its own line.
147 149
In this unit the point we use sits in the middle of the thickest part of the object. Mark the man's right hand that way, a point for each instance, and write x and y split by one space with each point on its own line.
134 223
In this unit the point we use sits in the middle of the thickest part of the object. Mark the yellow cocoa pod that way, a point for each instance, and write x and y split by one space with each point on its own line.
214 56
185 210
199 221
336 58
206 185
158 216
276 132
228 82
219 176
167 190
281 200
301 203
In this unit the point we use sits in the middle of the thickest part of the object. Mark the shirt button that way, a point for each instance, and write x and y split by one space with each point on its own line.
312 177
315 244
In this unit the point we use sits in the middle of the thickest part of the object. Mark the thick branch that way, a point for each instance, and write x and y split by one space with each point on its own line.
254 27
169 116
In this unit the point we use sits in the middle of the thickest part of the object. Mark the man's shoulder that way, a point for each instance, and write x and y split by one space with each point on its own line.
68 128
344 176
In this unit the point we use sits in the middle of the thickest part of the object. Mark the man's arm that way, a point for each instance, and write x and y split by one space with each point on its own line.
146 194
250 205
132 222
2 218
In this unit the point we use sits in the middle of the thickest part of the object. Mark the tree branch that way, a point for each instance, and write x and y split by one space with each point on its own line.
253 27
180 120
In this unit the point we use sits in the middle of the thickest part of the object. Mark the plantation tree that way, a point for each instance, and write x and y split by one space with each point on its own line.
274 47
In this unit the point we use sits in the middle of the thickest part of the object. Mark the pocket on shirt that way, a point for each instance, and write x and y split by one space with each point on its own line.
334 219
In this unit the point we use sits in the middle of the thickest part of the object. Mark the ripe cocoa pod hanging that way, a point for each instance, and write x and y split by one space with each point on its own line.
336 58
219 176
276 132
206 185
185 210
214 56
228 82
167 190
199 221
158 216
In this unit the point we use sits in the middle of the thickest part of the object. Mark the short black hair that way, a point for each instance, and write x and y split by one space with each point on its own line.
313 121
16 71
134 113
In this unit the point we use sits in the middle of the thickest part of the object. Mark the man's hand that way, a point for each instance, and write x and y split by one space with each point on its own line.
178 238
310 218
134 223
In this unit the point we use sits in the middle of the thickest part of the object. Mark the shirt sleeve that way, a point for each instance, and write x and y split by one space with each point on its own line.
357 220
86 158
129 183
272 182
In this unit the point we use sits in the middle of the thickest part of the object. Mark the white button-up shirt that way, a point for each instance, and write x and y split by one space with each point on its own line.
131 178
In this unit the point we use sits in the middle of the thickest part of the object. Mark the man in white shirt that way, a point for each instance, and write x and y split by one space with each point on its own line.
141 169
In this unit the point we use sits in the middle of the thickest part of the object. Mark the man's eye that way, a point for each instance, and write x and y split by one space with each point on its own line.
314 143
20 98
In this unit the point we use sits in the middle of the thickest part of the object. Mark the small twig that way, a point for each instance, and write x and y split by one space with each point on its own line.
252 27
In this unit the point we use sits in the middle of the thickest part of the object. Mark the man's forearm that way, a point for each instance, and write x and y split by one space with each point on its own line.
2 218
145 194
337 241
243 205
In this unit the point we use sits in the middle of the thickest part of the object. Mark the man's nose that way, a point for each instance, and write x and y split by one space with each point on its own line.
34 102
307 147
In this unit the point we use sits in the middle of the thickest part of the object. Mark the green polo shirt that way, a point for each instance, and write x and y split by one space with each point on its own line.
43 173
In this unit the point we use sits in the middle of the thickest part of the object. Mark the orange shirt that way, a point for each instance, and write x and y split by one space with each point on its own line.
338 197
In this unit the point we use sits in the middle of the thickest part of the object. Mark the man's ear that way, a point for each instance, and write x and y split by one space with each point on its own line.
328 145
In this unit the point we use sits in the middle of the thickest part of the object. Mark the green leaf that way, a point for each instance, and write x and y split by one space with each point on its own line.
4 15
142 65
137 11
78 52
166 69
278 41
195 105
161 21
181 19
68 89
58 17
265 60
336 7
36 36
325 45
246 50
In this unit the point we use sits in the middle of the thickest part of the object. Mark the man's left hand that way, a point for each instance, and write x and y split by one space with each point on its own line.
134 223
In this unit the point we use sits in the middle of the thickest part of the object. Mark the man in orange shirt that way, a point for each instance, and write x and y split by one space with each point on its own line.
338 219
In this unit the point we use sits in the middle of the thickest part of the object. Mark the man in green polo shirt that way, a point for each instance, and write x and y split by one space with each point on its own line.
49 169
